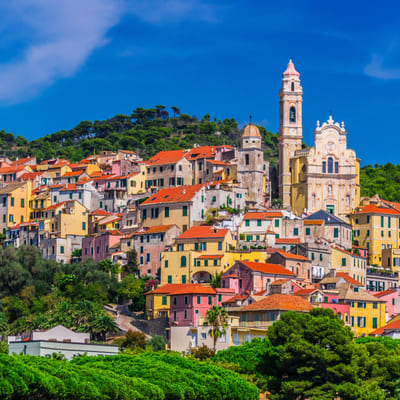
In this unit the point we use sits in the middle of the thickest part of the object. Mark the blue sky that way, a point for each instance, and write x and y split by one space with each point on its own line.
70 60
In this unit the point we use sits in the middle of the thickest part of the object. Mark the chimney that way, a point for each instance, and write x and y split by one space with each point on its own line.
183 190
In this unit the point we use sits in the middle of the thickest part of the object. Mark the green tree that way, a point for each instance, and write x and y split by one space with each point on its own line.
132 289
157 343
217 318
132 266
134 339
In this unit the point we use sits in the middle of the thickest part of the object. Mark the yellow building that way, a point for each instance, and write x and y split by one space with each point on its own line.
352 264
62 219
137 181
197 255
158 300
181 206
367 312
14 204
39 201
376 228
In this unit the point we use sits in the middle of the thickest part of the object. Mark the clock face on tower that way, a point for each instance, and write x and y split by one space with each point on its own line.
292 131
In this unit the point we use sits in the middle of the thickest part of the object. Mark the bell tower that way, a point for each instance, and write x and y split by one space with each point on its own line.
290 128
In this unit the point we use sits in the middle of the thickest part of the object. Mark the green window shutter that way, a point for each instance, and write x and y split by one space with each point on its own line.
277 223
183 261
12 201
164 300
382 221
247 222
343 261
215 263
308 231
220 297
209 300
169 278
183 278
62 249
259 222
165 263
196 247
184 211
375 323
219 245
296 232
22 203
336 232
166 211
198 300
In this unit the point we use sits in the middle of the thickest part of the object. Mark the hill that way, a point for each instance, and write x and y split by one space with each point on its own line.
145 131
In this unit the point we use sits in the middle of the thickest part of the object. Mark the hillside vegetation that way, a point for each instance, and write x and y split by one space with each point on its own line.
145 131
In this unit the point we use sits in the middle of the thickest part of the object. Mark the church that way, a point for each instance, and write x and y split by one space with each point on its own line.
325 176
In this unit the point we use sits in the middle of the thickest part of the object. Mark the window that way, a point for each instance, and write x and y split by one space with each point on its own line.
165 263
292 86
382 222
198 300
169 278
389 222
12 201
247 159
164 300
330 209
308 231
336 232
374 322
185 314
206 263
220 297
343 261
80 195
324 167
180 247
247 222
183 278
62 249
148 257
296 232
183 261
277 223
22 203
215 263
141 260
209 300
219 245
259 222
249 238
292 114
312 256
83 226
330 165
184 211
336 167
141 250
11 218
174 315
166 212
375 305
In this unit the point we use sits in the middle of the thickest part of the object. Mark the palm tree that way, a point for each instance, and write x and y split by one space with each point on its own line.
217 318
102 325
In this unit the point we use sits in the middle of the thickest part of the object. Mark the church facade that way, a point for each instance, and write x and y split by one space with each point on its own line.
325 176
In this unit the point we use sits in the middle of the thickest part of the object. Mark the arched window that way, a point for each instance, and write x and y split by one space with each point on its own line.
247 158
292 86
183 261
292 114
330 165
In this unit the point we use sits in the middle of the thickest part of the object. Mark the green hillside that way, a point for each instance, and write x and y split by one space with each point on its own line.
145 131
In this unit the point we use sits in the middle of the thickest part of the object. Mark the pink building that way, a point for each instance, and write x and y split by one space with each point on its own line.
97 247
391 298
300 265
191 302
253 276
149 242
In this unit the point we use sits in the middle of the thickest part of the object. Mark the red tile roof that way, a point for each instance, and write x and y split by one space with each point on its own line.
239 297
292 256
100 212
174 195
256 215
221 163
305 291
54 206
193 289
371 208
274 269
384 293
201 152
68 186
169 287
287 241
12 169
22 161
348 278
203 232
395 325
280 302
72 173
166 157
279 282
29 176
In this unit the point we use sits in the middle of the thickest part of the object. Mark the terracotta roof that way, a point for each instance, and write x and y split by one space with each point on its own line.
256 215
68 186
174 195
170 287
28 176
292 256
109 219
280 302
231 276
54 206
371 208
348 278
274 269
209 257
201 152
394 325
12 169
203 232
242 296
152 229
346 292
287 241
166 157
251 130
126 151
384 293
22 161
72 173
115 177
274 214
27 223
216 162
100 212
305 291
194 289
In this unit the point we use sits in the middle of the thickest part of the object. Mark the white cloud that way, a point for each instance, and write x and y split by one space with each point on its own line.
377 69
62 35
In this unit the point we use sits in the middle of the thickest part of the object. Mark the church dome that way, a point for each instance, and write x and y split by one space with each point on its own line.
251 131
290 70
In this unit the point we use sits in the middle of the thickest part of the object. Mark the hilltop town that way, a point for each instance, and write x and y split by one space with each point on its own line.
212 230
